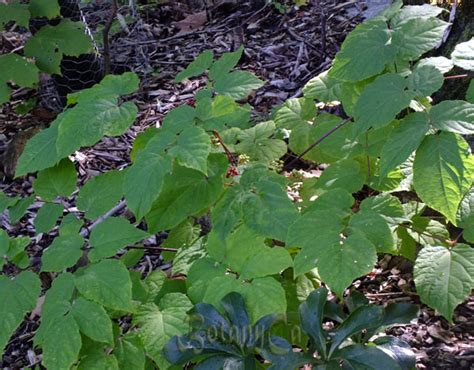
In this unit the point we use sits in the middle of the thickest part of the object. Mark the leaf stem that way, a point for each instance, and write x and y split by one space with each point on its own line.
456 76
311 147
227 152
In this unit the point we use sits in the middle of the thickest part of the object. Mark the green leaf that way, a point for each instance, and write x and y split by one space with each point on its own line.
92 320
18 297
6 201
444 277
470 92
148 174
375 228
256 142
111 235
358 356
186 256
222 112
465 215
269 261
16 253
70 225
443 172
40 8
97 359
237 85
295 111
454 116
463 55
129 352
322 87
336 146
107 283
416 36
63 252
398 350
59 180
61 344
100 194
14 11
387 206
200 274
365 52
410 131
87 122
186 193
361 319
50 43
264 296
19 209
16 69
192 149
47 217
268 211
415 11
344 174
202 62
225 63
40 151
340 264
443 64
380 102
159 323
425 80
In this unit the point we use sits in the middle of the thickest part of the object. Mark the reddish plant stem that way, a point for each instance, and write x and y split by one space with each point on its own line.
227 152
311 147
456 76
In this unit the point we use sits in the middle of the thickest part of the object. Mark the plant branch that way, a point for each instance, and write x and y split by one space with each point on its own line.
311 147
86 231
456 76
227 152
105 35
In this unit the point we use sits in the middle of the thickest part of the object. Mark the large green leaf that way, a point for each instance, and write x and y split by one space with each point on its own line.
387 206
380 102
237 85
92 320
192 149
258 144
336 146
159 323
465 216
197 67
199 275
344 174
50 43
61 344
339 264
100 194
425 80
40 8
443 64
375 228
14 11
415 11
295 111
107 283
129 352
18 210
443 172
59 180
416 36
410 131
358 356
268 210
18 297
365 52
444 277
453 116
47 217
187 192
147 173
16 69
225 63
269 261
111 235
322 87
463 55
63 252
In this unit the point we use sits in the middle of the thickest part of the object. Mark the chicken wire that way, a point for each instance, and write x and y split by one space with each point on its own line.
127 50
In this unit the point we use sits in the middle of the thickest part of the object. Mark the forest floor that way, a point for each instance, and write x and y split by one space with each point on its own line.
286 50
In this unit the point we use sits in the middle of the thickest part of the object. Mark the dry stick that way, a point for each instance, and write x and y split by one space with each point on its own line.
311 147
456 76
105 35
86 231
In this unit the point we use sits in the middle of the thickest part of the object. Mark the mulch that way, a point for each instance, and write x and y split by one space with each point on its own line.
286 50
